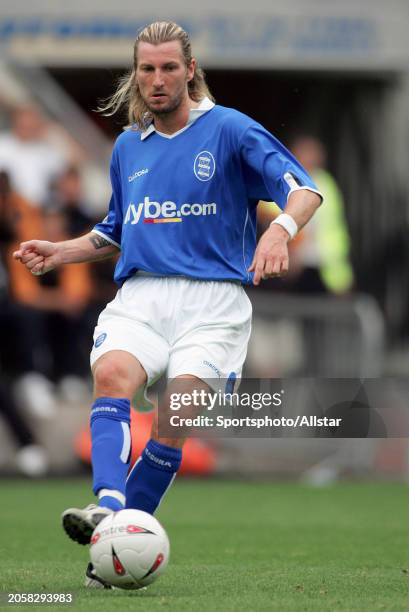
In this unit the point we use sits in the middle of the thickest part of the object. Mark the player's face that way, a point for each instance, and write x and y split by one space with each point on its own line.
162 76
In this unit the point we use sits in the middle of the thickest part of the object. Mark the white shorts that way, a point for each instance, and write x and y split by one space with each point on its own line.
177 326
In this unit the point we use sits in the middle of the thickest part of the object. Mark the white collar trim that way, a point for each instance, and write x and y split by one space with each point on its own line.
205 105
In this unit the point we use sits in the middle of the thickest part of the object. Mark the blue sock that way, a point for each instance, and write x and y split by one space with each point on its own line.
151 476
111 447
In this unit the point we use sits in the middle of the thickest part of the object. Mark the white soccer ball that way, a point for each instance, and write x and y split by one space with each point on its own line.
129 549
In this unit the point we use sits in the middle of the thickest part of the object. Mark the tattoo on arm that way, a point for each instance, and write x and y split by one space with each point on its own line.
99 242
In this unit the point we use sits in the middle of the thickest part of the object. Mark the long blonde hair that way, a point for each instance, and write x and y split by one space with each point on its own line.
128 93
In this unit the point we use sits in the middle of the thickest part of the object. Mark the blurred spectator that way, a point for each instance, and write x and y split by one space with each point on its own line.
322 265
319 255
28 157
17 220
31 458
55 307
68 197
322 253
319 264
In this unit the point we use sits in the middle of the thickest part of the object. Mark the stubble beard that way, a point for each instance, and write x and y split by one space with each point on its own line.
172 106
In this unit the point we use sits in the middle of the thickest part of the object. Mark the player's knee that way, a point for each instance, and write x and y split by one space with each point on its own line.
112 379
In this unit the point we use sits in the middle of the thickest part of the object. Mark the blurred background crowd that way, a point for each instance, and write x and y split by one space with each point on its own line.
340 106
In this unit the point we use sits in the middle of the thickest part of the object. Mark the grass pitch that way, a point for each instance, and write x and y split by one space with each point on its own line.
234 547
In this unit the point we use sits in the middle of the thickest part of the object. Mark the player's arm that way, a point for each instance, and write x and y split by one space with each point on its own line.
41 256
271 255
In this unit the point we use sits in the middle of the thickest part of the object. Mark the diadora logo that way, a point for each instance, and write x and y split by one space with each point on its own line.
166 212
204 166
157 460
137 174
213 367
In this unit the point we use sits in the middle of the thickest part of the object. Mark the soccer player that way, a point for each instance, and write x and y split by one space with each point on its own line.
186 178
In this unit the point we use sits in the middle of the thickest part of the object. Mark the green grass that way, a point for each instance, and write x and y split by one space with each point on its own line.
235 547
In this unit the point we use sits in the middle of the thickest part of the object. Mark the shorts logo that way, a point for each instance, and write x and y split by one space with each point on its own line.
213 367
100 340
204 166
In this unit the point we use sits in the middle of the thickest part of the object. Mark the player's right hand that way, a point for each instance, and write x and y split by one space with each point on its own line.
271 256
39 256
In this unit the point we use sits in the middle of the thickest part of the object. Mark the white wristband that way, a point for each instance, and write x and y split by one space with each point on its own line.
288 223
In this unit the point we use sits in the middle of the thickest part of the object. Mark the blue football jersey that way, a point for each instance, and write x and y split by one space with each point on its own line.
186 205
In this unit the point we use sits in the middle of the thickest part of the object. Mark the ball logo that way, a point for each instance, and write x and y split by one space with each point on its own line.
100 340
136 529
204 166
156 564
118 567
95 538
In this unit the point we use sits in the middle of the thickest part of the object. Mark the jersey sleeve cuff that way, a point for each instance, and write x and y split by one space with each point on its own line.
301 187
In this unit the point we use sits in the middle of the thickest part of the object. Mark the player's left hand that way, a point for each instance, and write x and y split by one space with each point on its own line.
271 256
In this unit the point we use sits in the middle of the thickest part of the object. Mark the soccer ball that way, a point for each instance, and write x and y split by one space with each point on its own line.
129 549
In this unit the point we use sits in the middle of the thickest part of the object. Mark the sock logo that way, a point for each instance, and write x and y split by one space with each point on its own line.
157 460
103 409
